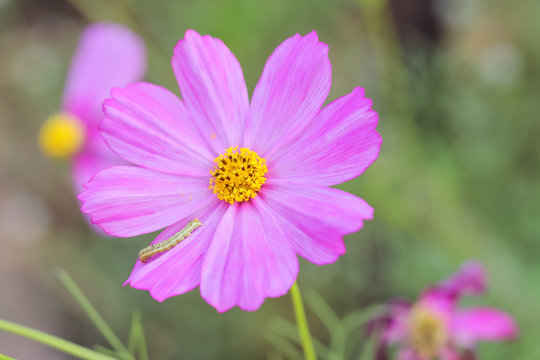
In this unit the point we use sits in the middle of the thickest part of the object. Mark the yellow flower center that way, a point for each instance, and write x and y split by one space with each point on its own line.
61 136
428 332
238 175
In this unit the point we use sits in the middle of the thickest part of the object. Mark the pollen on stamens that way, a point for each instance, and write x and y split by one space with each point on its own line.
238 175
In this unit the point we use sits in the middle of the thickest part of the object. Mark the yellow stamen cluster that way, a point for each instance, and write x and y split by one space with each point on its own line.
61 135
238 175
428 332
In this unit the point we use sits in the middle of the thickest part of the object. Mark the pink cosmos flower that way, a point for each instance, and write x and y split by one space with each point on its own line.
107 55
255 173
436 328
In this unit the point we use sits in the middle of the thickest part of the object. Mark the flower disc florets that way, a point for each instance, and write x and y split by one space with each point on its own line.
428 332
62 135
238 175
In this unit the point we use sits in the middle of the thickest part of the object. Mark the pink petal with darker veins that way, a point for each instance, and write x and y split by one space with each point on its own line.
315 218
128 200
293 87
249 259
178 270
339 144
149 126
108 55
482 324
213 87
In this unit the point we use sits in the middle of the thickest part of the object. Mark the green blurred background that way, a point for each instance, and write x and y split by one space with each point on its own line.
456 84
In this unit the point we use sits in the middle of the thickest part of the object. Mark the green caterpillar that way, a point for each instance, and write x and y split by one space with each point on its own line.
168 244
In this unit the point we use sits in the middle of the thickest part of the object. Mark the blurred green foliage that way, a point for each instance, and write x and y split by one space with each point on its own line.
457 177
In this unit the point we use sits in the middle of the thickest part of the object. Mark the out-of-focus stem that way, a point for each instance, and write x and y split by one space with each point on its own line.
92 313
301 322
52 341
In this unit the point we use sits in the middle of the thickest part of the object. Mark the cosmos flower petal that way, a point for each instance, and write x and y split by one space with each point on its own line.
470 279
107 55
149 126
407 354
323 247
128 200
482 324
397 320
449 353
315 218
292 89
85 164
249 259
339 144
178 270
213 87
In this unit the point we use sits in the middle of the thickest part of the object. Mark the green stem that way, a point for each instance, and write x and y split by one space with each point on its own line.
301 322
92 313
5 357
52 341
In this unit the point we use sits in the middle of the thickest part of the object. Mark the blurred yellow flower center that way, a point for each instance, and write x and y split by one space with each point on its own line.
62 135
428 332
238 175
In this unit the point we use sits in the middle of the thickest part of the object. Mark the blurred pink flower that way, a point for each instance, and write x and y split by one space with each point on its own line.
256 174
107 55
436 328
